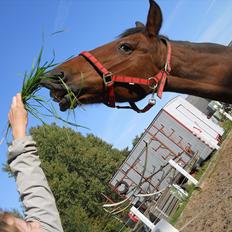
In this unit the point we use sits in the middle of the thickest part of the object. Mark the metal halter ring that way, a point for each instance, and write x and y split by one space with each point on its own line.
152 101
152 85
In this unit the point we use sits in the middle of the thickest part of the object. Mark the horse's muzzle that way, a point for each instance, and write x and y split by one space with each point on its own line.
55 81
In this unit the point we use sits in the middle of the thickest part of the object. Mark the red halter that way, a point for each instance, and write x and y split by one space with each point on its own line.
109 79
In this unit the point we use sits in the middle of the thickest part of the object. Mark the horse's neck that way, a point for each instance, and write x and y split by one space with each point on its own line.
201 69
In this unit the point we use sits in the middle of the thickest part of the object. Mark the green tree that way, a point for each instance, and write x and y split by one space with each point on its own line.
78 169
136 139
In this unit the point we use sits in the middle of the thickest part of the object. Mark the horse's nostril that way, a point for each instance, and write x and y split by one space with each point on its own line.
53 78
57 76
61 74
56 73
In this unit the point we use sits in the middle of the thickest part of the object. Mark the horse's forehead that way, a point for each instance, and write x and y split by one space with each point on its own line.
139 37
135 38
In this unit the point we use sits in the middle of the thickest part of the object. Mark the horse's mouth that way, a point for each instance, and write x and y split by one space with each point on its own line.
67 94
61 92
71 101
69 97
66 100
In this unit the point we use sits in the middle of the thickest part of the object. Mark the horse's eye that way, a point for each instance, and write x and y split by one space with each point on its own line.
125 48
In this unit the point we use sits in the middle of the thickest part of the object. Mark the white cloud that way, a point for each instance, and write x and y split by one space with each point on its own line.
219 27
62 14
168 23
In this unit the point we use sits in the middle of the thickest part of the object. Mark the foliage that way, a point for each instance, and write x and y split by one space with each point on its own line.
78 169
226 107
227 125
136 139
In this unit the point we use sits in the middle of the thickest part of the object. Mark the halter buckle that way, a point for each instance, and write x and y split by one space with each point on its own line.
107 78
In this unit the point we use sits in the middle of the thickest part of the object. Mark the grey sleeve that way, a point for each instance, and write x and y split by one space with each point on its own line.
32 185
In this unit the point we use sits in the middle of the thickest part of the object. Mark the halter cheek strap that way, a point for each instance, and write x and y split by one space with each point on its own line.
156 82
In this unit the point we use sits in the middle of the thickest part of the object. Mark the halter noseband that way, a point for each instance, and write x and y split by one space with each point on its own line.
156 82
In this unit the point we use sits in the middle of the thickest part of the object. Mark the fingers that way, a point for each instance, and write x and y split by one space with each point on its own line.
14 102
18 117
19 99
13 105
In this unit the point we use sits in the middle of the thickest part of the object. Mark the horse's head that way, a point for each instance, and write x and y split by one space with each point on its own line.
139 52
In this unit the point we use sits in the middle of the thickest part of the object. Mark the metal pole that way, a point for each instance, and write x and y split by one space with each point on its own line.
183 172
144 219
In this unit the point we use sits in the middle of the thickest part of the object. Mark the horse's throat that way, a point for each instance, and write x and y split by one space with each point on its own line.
198 69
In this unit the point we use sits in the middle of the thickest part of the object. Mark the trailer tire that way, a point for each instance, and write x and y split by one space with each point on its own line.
126 187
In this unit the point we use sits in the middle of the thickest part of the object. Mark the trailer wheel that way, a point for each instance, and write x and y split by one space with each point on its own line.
125 189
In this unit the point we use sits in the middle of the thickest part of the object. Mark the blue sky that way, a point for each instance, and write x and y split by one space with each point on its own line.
26 25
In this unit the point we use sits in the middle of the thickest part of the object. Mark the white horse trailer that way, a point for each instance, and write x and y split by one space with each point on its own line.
179 132
195 121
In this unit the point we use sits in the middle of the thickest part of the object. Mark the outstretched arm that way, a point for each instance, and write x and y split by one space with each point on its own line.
35 193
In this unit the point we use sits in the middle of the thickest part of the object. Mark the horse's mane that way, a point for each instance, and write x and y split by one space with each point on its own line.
131 31
135 30
211 47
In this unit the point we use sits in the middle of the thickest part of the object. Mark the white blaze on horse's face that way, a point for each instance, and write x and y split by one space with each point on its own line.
134 54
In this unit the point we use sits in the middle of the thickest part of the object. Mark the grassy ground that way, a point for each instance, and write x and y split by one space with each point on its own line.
227 125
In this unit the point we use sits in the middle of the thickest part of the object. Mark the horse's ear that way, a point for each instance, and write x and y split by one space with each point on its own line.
154 19
139 24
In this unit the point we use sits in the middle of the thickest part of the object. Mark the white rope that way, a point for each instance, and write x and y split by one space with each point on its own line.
119 211
150 194
115 204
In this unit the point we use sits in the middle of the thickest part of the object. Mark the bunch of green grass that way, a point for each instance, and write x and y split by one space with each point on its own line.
33 102
31 86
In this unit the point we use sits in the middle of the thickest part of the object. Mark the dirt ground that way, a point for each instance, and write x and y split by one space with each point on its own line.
210 209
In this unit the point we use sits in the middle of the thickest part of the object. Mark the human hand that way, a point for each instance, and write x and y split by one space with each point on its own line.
18 117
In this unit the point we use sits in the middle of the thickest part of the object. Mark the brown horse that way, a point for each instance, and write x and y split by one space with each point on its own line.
142 62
